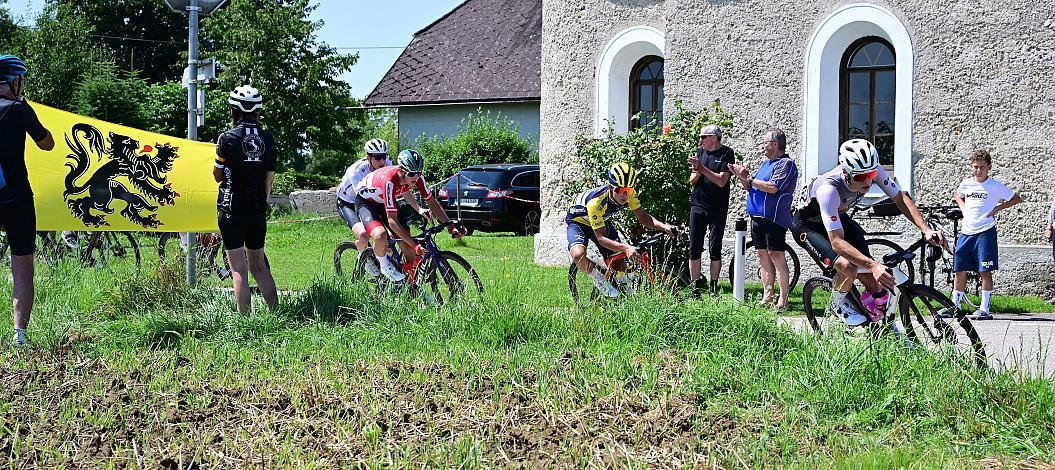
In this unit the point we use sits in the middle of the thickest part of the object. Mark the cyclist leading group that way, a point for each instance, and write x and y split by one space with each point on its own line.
822 227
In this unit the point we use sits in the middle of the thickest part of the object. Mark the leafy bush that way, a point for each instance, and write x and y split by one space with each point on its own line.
482 138
112 96
289 181
660 157
166 111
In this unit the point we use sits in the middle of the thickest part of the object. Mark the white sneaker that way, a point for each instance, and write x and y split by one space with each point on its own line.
371 268
605 288
392 273
849 314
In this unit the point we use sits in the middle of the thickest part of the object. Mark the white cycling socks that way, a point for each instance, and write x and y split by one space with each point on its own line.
838 297
986 295
957 298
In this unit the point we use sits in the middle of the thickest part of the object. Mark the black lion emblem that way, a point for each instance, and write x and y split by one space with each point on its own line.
143 172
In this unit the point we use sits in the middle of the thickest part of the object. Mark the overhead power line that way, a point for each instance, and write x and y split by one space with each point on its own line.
158 41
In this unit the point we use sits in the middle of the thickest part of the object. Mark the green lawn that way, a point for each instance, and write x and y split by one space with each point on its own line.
131 369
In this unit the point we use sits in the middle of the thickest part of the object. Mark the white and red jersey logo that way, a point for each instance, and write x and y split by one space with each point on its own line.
382 186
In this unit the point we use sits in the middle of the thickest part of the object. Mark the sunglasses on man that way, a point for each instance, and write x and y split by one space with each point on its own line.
379 156
628 192
863 177
413 174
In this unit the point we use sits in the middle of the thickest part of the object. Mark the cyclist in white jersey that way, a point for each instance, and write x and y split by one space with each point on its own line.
376 158
822 225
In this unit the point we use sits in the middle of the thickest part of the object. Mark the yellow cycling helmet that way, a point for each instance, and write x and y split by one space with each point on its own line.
622 176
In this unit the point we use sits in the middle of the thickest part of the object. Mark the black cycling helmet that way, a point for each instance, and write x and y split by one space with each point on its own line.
411 161
11 67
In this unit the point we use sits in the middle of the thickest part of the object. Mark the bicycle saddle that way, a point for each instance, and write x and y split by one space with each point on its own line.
954 214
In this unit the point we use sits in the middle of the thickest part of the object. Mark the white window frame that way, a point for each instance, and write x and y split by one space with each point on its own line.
613 75
822 81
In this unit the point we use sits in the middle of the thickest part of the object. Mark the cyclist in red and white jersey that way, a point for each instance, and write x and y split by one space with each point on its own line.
821 223
377 209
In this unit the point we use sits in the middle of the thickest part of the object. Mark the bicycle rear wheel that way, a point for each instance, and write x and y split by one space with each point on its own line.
952 337
817 303
108 248
581 285
753 272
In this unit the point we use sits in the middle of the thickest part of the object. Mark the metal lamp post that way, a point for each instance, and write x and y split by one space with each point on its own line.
194 9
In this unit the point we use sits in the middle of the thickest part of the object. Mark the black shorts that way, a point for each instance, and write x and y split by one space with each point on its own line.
812 236
370 214
19 221
347 212
240 231
767 235
699 225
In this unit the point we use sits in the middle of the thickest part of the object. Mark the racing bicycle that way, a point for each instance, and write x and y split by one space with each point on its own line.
442 275
659 269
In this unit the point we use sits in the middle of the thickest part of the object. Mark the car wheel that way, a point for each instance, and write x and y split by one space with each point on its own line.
530 224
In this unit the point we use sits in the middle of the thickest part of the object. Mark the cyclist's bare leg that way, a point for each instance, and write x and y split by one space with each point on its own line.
22 292
768 275
264 280
869 281
618 266
362 239
239 278
694 270
408 252
380 237
780 264
846 273
578 256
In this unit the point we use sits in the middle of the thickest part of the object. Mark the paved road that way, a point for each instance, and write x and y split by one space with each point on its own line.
1024 342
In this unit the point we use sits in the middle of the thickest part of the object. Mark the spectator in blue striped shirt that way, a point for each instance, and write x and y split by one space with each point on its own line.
769 195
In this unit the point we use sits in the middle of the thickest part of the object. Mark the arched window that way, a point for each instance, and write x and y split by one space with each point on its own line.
646 92
868 95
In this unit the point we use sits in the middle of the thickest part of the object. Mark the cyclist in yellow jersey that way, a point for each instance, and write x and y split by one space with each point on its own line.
588 220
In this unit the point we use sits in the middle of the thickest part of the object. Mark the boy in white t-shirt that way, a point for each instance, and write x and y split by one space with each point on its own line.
980 198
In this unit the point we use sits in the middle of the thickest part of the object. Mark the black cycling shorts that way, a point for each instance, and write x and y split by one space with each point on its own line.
347 212
19 221
240 231
812 236
699 225
768 235
370 213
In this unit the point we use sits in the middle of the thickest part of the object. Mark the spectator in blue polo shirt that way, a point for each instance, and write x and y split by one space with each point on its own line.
769 195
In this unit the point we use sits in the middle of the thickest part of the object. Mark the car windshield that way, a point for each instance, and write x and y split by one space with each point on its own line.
479 178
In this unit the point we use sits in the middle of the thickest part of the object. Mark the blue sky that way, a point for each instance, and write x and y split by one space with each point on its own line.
349 23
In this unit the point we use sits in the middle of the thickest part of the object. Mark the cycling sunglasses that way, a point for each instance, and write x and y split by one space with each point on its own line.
861 178
626 191
379 156
413 174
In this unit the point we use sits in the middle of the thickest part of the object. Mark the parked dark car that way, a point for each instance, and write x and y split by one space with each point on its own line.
495 198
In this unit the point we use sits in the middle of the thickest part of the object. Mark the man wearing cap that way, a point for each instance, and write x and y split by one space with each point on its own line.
17 214
709 204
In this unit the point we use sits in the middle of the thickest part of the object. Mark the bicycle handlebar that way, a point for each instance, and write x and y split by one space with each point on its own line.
427 232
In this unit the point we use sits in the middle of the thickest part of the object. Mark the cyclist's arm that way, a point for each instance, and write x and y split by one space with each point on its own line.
437 210
646 219
269 181
908 207
603 240
847 251
47 143
412 201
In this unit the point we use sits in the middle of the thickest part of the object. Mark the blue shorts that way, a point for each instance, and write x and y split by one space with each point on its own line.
579 234
976 252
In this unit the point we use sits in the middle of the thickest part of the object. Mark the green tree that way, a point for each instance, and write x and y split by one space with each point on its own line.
482 138
273 45
60 53
9 29
143 35
166 111
97 97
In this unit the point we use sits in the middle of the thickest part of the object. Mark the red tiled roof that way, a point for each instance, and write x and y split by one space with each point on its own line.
483 50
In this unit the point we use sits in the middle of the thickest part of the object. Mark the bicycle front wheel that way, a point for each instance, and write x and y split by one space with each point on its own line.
953 337
753 272
346 259
581 285
452 277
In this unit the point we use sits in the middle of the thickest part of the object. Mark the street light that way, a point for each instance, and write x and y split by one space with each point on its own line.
194 9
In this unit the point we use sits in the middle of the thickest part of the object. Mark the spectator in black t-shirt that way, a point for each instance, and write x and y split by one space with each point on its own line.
709 204
245 169
18 218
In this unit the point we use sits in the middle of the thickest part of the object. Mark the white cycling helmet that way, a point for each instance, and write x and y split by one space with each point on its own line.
376 146
858 156
246 98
